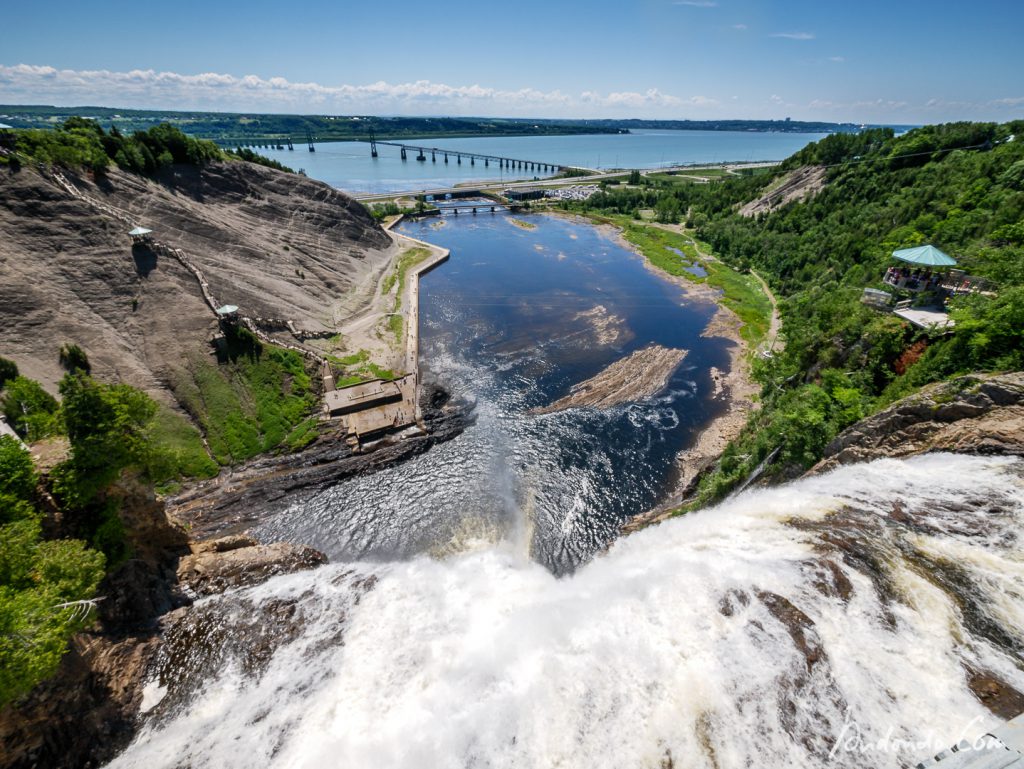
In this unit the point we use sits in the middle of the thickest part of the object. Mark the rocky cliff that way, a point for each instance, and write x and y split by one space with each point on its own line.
89 711
977 414
277 245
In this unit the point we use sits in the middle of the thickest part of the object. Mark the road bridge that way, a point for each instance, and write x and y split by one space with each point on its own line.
447 155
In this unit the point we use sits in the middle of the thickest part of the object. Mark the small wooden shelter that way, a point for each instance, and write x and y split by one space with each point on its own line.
140 235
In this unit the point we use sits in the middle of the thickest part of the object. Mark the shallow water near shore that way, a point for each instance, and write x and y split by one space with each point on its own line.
515 318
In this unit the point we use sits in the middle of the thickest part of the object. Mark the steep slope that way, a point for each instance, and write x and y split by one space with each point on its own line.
275 244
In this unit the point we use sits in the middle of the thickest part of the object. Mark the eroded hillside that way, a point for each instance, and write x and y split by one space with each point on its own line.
277 245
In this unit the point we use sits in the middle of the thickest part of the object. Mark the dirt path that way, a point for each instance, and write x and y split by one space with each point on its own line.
772 343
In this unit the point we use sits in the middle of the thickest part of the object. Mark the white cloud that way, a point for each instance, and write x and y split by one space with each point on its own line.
794 35
739 26
697 3
216 91
837 59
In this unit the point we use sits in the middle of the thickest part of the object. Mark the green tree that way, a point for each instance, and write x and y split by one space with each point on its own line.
107 427
17 473
30 410
45 586
8 371
667 210
73 358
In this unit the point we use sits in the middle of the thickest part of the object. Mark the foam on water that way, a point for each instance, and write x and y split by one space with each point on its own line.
750 634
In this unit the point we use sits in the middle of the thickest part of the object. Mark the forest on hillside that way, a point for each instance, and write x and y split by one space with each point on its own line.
957 186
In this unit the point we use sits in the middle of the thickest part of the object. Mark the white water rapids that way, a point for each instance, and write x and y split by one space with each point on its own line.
768 631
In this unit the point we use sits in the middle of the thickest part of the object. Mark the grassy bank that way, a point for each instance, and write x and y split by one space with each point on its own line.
258 398
405 262
741 293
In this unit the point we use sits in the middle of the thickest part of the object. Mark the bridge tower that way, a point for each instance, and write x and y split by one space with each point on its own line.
403 154
373 146
460 159
433 156
421 157
290 145
487 162
446 157
309 140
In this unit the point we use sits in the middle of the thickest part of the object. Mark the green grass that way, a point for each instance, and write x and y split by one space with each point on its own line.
381 373
303 434
178 450
745 297
686 177
408 259
249 404
397 325
741 293
524 225
350 360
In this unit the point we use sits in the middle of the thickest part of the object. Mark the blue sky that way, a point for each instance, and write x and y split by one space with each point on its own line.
870 61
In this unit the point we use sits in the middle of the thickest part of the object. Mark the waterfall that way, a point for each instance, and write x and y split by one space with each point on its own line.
767 631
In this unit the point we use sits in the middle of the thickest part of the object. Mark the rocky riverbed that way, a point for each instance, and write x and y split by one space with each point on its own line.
243 496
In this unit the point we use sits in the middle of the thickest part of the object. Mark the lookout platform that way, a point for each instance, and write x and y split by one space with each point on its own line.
371 408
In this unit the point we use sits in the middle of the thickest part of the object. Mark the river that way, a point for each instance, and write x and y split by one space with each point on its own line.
833 621
348 165
478 611
524 308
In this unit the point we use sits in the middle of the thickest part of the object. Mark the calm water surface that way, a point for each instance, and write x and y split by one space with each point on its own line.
509 323
348 165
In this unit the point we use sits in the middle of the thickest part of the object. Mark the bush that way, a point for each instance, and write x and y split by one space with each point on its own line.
30 410
107 427
73 358
8 371
41 582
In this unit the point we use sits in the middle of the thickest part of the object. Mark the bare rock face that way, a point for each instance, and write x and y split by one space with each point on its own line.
799 184
85 714
982 414
275 244
240 562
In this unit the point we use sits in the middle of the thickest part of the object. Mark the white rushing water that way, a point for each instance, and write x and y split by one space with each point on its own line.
770 631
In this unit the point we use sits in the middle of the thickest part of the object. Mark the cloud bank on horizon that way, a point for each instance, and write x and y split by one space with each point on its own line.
150 89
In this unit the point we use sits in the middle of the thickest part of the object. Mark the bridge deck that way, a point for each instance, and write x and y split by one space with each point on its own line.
424 149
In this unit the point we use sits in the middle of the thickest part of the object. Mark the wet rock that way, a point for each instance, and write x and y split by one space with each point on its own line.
800 627
994 693
85 714
981 414
245 495
223 544
212 571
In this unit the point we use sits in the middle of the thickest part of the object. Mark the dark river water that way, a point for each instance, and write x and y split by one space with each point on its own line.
514 319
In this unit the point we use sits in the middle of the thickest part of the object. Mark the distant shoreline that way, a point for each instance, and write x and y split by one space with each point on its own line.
232 128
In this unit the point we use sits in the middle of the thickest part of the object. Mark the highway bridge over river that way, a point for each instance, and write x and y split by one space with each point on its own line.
404 150
458 155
